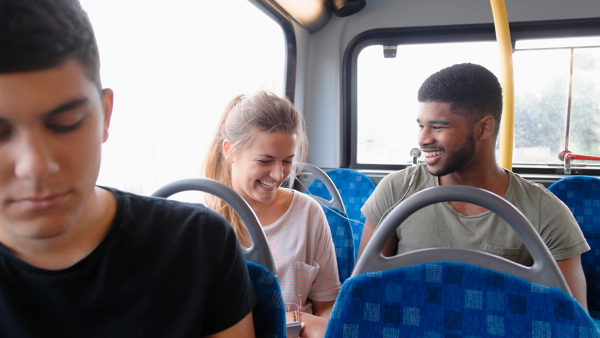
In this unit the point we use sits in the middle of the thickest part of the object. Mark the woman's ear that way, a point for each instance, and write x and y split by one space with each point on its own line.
227 152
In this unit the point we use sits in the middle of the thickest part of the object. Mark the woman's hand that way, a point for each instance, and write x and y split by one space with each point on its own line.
303 333
316 323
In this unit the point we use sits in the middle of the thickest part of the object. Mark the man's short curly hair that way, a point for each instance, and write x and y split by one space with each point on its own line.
42 34
471 90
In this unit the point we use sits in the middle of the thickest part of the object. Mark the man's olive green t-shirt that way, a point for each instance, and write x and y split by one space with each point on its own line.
440 225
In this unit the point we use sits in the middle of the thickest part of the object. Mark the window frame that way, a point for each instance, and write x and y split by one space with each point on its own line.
441 34
278 15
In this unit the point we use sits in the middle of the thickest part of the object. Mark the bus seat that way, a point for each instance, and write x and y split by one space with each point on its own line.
449 299
582 195
448 292
269 313
341 232
339 224
355 188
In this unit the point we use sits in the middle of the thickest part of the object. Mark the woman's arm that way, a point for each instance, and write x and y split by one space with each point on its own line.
317 322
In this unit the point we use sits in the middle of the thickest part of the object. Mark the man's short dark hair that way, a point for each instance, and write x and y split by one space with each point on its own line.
471 90
42 34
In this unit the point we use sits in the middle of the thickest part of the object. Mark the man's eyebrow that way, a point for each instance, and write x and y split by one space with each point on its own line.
67 106
442 122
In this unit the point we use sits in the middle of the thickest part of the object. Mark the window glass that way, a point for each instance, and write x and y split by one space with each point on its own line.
584 136
174 66
556 83
387 93
387 96
541 98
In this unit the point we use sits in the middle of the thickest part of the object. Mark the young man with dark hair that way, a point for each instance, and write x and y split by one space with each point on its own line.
459 116
85 261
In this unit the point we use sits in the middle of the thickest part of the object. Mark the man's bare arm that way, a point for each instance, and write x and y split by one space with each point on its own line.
388 250
244 328
573 272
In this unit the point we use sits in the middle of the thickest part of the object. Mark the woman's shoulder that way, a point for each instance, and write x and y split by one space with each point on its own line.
302 200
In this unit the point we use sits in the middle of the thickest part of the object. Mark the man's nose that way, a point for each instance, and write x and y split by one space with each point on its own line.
34 159
424 137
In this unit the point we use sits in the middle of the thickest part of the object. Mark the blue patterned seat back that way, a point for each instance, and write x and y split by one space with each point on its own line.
355 188
269 313
341 232
448 299
582 195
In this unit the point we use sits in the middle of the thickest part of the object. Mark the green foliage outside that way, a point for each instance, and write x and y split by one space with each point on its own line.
540 118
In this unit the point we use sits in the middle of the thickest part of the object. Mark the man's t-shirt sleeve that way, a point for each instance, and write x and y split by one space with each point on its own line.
559 229
386 194
231 296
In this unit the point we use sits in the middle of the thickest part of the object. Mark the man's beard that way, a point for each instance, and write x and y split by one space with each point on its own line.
459 158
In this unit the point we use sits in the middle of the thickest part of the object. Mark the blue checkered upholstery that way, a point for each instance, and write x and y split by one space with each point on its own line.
341 232
582 195
355 188
269 313
448 299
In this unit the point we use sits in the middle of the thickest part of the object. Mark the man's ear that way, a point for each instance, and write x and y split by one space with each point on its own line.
107 106
227 151
484 128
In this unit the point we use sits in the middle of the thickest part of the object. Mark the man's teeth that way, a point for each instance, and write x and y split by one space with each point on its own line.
433 153
267 184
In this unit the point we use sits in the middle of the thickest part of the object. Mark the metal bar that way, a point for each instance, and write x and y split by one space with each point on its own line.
508 89
568 122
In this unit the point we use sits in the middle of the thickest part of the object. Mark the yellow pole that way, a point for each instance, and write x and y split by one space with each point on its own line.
507 126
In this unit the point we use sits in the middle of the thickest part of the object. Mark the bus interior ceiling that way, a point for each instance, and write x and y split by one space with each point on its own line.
322 39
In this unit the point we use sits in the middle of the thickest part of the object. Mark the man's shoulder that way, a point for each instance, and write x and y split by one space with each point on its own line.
404 175
529 189
156 204
397 182
531 197
144 214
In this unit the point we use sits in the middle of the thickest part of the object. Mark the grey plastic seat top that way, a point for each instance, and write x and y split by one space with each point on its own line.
259 252
336 199
544 270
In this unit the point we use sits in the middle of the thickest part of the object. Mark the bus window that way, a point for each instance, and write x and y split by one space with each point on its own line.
387 93
173 68
556 80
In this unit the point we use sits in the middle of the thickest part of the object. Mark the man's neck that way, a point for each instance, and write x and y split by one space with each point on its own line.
491 178
70 247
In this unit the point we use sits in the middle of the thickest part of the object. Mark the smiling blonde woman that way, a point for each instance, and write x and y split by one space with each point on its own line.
257 139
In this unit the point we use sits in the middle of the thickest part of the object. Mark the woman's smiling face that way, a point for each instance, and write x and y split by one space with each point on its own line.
259 170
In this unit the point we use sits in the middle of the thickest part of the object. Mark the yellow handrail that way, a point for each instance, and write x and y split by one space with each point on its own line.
507 126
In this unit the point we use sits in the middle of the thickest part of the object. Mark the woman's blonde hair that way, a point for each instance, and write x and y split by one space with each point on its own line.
244 115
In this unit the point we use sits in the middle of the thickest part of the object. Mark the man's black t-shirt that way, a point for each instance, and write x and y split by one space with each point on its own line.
165 269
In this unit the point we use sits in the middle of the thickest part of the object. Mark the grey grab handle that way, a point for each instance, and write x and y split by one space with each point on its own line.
259 252
544 270
336 199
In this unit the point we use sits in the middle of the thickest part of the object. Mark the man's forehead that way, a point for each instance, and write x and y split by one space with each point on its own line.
41 91
434 110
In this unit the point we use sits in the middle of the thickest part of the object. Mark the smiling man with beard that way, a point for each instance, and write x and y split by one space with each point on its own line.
459 117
